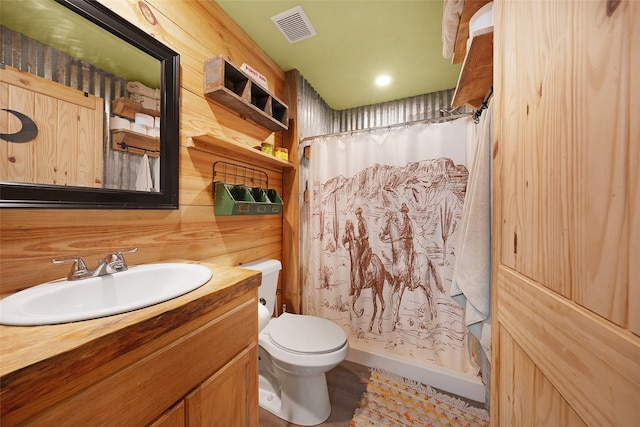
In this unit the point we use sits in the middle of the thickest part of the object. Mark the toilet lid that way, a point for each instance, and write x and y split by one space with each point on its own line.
306 334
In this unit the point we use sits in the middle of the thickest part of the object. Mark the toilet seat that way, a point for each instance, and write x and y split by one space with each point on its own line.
306 334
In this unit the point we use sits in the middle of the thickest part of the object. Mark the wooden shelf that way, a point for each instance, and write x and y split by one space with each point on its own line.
476 76
238 92
127 108
135 142
214 144
470 8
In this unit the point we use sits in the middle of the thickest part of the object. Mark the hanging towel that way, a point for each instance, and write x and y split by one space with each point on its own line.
471 282
143 178
451 12
156 174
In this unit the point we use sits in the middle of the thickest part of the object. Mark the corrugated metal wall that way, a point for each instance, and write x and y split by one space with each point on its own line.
26 54
416 108
317 118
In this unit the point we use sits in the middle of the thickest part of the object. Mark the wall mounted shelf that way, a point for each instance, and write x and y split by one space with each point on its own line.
133 142
476 75
236 91
237 150
124 107
469 9
127 140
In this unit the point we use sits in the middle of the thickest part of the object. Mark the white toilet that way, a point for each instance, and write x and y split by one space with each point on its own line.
295 351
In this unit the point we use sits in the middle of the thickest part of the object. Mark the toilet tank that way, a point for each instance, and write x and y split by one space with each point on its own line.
270 268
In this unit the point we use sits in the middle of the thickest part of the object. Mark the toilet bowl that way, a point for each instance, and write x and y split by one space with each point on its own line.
295 351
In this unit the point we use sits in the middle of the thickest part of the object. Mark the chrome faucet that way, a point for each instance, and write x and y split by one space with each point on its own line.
112 263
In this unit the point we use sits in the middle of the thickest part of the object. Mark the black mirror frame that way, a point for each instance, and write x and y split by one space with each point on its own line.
13 195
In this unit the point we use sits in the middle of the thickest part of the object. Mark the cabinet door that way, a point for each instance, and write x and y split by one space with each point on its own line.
174 417
229 397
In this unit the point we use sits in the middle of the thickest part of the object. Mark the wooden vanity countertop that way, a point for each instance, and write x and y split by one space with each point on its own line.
39 349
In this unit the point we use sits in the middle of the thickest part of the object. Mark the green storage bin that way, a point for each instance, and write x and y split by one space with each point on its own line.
241 200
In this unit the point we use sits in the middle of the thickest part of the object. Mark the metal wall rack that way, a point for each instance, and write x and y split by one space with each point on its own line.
239 190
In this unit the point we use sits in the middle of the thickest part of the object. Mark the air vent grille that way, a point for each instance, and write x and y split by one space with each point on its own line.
294 24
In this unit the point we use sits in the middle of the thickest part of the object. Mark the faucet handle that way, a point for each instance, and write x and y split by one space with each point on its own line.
118 261
78 269
128 251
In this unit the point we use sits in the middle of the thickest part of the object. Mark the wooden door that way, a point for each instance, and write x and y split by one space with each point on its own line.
67 148
229 397
566 302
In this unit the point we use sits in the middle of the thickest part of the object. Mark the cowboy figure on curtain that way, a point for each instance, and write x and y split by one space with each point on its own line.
406 231
362 243
367 270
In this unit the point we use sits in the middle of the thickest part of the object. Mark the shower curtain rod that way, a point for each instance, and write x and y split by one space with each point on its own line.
389 127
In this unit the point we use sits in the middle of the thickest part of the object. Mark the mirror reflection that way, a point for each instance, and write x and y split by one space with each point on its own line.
80 107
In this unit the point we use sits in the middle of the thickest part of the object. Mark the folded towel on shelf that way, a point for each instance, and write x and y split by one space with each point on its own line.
140 89
471 281
143 177
148 103
452 10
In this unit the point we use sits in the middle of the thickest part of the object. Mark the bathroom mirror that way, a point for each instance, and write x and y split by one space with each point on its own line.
95 42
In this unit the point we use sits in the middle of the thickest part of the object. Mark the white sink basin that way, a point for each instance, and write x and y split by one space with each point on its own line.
63 301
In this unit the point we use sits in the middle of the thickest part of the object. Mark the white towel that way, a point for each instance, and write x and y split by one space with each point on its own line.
156 174
148 103
451 12
140 89
143 178
471 282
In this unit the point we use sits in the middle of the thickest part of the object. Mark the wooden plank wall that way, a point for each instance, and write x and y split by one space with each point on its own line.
30 238
566 349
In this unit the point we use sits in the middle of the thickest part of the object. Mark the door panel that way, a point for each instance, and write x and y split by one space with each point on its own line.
566 250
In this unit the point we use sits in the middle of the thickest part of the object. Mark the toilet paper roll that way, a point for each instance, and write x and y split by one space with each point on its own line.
156 122
119 123
153 132
136 127
263 317
144 119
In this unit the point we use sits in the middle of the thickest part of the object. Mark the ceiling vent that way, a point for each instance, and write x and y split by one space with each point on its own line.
294 24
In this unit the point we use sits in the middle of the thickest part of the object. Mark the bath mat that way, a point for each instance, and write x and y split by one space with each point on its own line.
391 400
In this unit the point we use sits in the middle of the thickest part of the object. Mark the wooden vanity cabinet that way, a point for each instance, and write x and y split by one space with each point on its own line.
200 370
222 400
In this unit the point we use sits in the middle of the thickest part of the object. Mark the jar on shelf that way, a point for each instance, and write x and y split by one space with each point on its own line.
282 153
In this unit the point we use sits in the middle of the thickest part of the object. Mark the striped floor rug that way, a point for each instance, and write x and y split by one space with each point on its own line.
391 400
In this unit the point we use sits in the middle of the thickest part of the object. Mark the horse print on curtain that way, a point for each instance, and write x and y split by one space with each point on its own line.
382 229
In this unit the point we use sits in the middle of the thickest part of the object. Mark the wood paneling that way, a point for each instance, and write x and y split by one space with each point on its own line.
566 349
29 239
633 160
292 291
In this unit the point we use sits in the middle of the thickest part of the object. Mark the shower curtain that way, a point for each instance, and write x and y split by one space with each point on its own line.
380 232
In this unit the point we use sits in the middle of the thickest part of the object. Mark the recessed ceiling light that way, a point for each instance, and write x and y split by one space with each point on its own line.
383 80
